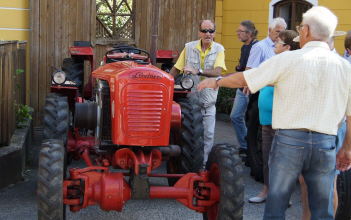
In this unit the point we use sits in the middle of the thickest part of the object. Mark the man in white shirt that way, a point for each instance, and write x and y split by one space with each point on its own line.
312 95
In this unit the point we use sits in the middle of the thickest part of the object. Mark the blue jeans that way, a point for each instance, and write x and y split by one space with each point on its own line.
310 153
237 117
340 139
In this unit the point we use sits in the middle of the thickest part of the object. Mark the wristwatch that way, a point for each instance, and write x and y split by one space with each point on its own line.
218 78
200 72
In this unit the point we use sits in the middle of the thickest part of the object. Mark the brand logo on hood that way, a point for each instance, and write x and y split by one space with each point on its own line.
146 75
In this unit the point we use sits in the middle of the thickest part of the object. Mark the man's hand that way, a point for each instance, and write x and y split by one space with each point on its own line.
207 83
190 70
246 90
343 159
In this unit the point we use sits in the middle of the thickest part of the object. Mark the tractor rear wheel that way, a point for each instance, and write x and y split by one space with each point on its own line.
51 173
225 171
74 70
190 139
344 194
56 117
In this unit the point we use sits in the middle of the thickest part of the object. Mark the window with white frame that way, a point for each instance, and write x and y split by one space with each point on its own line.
290 10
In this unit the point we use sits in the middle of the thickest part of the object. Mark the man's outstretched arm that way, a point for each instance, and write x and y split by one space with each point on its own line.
234 80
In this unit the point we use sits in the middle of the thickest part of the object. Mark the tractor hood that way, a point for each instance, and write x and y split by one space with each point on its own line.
141 99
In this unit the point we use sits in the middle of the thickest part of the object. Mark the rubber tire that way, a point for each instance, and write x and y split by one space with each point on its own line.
254 142
74 70
167 67
344 194
56 117
229 177
190 139
51 173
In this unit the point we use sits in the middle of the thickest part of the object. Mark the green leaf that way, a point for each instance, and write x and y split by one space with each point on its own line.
19 71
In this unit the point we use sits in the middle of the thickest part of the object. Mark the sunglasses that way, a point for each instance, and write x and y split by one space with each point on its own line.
207 31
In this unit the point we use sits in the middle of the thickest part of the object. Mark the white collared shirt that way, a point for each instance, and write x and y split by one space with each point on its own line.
312 88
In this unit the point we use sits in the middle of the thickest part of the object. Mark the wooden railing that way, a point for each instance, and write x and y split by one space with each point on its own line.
12 85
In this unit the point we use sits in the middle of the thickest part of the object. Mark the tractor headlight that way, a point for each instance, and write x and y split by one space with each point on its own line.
187 82
59 77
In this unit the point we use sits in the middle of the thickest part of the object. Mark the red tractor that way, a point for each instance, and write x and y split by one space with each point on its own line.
124 123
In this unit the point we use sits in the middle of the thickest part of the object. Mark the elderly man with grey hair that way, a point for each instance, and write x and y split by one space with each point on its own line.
312 94
259 53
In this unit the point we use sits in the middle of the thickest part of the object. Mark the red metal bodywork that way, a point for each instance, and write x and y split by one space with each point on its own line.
141 103
86 52
110 190
163 56
97 185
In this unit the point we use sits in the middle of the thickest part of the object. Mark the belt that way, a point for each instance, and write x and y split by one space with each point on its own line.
305 130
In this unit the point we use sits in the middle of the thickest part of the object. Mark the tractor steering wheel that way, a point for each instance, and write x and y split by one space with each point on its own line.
121 53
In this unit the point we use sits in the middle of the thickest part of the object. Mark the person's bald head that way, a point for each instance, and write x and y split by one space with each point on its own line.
208 22
207 30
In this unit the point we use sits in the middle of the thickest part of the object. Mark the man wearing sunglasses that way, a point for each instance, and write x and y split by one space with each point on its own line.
312 94
203 58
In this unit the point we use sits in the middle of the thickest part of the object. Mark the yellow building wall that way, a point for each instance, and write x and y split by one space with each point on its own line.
14 20
14 25
230 13
342 9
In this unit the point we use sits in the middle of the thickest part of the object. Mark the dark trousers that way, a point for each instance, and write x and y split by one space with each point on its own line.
267 139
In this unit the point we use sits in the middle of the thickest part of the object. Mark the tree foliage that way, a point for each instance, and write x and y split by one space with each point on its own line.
114 15
225 100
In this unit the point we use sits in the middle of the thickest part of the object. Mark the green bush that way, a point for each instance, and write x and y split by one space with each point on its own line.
225 100
23 114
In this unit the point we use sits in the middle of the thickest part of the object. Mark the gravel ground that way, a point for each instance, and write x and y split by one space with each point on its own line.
18 202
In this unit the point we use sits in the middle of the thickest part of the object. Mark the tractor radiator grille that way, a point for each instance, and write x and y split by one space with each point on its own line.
144 111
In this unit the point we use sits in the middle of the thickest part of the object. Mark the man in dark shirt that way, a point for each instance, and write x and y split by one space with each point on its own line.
247 34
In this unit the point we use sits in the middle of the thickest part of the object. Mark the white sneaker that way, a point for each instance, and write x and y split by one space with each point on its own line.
257 199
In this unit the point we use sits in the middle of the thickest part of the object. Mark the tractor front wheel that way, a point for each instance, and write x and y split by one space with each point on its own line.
190 138
51 173
225 171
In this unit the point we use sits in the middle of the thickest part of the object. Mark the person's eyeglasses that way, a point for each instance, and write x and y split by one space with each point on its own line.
299 27
207 31
240 31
